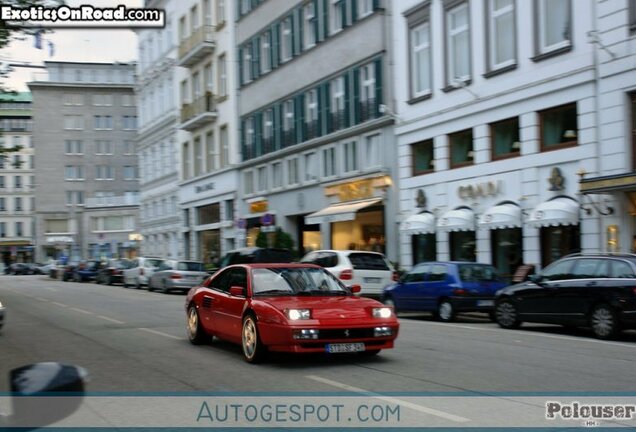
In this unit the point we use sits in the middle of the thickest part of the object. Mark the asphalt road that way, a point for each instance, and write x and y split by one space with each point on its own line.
134 341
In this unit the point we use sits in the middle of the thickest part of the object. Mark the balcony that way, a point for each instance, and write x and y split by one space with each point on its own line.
199 44
112 201
198 113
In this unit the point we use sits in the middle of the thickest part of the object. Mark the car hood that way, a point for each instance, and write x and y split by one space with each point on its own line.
327 307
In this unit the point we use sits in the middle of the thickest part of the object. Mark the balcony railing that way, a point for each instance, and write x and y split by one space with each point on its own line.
112 201
199 112
199 44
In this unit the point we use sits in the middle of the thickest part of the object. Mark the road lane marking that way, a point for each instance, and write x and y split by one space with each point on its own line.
110 319
59 304
82 311
532 333
160 333
419 408
41 299
51 289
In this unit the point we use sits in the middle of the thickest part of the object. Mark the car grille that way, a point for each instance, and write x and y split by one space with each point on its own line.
355 333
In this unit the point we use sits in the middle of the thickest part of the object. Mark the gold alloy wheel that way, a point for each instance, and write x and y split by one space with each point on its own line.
249 338
193 323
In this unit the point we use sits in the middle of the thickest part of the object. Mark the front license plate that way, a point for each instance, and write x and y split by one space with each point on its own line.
345 347
372 280
485 302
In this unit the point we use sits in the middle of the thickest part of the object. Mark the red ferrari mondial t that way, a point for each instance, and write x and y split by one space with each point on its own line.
298 308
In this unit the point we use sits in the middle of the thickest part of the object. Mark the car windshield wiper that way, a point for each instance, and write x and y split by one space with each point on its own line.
321 293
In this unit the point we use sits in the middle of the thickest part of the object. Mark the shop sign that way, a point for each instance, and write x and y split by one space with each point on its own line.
355 190
205 187
241 224
480 190
268 229
258 207
267 219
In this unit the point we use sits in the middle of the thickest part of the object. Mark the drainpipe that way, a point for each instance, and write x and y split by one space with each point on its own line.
597 116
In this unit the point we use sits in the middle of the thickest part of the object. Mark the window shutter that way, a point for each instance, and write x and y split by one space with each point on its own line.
243 147
354 10
278 126
240 66
294 27
275 45
272 49
316 22
258 135
347 99
378 86
325 19
343 13
300 28
300 118
376 4
356 96
326 108
256 70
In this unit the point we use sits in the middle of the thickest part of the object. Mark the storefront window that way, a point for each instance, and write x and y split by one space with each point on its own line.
462 246
559 241
209 214
366 232
507 250
424 247
210 246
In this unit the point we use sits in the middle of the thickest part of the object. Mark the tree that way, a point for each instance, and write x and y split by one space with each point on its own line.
280 239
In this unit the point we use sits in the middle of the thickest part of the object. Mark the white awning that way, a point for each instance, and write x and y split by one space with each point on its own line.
339 212
558 211
457 220
423 223
501 216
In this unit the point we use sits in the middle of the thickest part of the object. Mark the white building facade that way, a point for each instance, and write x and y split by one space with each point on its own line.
159 138
499 106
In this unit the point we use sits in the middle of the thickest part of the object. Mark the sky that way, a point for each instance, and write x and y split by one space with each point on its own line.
104 45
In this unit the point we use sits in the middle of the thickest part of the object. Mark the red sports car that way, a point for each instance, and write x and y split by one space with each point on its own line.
299 308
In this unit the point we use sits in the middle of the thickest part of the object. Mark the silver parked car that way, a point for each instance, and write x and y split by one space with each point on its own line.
181 275
139 270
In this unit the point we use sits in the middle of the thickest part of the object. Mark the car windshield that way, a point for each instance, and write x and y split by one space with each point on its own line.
477 273
190 266
295 281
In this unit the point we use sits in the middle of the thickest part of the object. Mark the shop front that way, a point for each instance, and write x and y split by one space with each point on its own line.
422 231
462 238
506 237
356 218
16 251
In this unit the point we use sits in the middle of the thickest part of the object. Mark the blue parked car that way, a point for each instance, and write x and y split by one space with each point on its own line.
85 271
445 288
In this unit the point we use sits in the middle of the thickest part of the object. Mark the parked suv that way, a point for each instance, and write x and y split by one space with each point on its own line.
445 288
139 271
371 270
173 274
596 291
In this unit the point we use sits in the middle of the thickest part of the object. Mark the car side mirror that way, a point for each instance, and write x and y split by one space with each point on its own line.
44 379
237 291
355 288
536 278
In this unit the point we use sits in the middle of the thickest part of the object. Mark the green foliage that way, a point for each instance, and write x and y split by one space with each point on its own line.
280 239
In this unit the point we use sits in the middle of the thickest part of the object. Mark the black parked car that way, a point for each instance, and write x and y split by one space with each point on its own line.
22 269
251 255
596 291
111 271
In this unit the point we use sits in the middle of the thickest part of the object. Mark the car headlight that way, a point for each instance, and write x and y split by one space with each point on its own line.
383 312
298 314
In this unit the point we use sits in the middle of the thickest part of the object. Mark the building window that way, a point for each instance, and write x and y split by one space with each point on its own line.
248 182
129 122
350 156
17 162
461 148
420 60
277 175
220 12
103 122
72 172
311 166
103 99
131 172
127 100
198 157
266 53
423 157
288 122
103 147
3 229
310 29
502 37
329 162
262 179
365 7
247 63
211 152
18 229
248 152
2 204
186 161
73 122
504 137
554 22
268 131
222 70
73 147
2 184
337 89
17 182
292 171
372 153
559 127
129 148
367 92
18 204
73 99
225 150
286 39
457 44
463 246
209 214
103 172
311 113
337 13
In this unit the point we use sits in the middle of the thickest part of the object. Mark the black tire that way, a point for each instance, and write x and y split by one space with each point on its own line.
109 280
253 349
445 311
196 333
98 280
150 287
506 314
604 322
165 289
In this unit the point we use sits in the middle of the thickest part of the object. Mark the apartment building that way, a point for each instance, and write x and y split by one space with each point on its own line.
159 138
17 202
87 177
209 154
504 107
315 110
